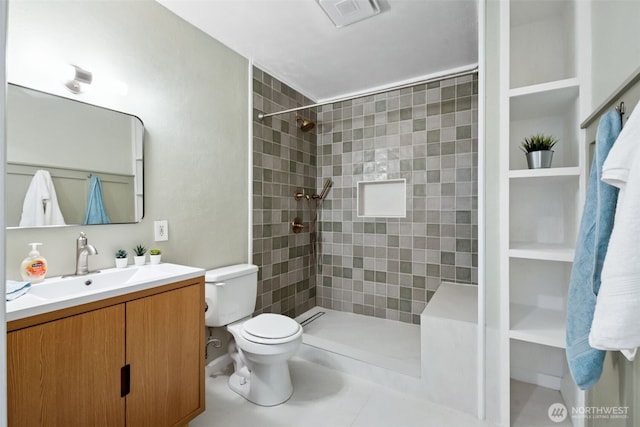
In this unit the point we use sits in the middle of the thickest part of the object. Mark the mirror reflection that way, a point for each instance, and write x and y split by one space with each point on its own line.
69 162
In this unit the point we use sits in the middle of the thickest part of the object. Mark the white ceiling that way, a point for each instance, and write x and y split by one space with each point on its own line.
295 41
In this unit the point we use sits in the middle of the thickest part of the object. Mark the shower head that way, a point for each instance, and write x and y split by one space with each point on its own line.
304 124
327 184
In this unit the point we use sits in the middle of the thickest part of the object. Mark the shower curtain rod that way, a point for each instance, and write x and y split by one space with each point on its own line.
262 116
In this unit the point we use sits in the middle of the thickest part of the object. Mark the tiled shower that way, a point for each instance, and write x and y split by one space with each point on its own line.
384 267
284 162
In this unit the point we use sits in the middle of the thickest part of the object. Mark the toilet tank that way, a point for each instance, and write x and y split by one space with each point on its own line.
230 293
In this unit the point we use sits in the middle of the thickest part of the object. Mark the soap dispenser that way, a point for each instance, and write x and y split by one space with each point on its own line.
34 266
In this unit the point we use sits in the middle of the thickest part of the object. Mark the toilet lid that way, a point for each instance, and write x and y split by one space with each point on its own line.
271 326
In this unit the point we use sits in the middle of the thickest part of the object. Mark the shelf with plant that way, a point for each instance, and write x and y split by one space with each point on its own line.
559 173
540 114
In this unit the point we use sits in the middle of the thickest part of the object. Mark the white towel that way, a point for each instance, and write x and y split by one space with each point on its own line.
16 289
620 159
40 205
616 320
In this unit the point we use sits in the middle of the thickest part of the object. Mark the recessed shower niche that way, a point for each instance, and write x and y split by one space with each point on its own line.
383 199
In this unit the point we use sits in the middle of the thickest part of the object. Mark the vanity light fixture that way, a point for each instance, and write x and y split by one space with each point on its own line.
79 78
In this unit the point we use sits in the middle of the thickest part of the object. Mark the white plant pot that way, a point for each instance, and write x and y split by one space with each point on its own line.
121 262
155 259
139 259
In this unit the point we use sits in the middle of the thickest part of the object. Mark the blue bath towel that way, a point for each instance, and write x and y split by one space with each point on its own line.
585 363
96 214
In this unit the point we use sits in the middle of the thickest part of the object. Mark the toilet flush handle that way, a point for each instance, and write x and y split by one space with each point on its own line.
206 306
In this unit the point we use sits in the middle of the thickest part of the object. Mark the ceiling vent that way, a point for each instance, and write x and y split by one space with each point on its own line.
345 12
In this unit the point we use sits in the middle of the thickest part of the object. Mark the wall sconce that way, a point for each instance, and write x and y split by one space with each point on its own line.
80 77
77 80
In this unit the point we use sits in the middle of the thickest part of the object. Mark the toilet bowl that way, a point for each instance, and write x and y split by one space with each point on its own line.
261 346
260 352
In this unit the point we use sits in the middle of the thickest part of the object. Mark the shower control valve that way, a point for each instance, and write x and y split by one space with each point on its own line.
297 225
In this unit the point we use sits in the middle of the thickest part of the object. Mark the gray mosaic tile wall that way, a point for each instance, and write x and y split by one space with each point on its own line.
284 162
390 267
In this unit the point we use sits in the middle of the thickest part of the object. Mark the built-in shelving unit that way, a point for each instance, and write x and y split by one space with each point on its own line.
542 94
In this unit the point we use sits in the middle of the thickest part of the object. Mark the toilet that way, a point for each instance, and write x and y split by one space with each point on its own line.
261 345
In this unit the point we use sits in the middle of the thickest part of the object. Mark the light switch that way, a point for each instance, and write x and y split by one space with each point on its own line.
161 230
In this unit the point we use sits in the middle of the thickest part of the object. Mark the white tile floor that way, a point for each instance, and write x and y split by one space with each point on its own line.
324 397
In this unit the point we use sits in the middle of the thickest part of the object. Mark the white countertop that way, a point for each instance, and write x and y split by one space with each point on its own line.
58 293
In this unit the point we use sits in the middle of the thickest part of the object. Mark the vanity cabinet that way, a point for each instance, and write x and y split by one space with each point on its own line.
67 372
133 360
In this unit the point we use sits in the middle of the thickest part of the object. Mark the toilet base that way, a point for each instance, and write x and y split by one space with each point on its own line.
267 385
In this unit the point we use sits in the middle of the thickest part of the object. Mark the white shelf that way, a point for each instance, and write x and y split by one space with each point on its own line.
538 325
553 88
541 251
573 171
544 100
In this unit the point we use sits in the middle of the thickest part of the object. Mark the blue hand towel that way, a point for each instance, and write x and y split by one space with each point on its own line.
585 362
16 289
96 214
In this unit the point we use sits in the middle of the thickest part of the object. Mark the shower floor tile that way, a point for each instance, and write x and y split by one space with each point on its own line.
385 343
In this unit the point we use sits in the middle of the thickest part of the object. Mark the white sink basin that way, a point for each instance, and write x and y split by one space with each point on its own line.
63 292
67 287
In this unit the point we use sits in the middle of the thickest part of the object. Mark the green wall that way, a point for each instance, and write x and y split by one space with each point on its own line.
190 91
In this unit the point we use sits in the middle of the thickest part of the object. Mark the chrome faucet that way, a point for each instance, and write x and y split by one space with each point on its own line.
83 250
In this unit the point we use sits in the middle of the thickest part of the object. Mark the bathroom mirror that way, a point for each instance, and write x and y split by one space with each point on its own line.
81 149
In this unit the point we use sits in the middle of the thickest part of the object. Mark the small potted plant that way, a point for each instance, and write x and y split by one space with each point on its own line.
121 258
154 255
538 149
139 252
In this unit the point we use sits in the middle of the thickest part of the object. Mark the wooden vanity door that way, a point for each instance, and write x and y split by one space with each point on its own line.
67 372
165 336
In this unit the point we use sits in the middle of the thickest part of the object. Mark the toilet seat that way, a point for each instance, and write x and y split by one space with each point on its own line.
269 328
